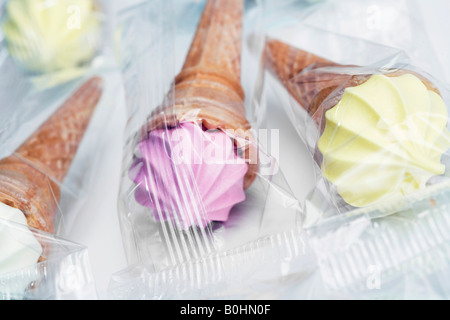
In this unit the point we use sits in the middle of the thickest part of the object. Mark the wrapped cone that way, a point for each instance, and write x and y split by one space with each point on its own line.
208 89
298 71
30 178
385 133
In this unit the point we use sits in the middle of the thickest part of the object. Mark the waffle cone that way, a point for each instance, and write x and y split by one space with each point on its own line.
208 89
30 177
315 91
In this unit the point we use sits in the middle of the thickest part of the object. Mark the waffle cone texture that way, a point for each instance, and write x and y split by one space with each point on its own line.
30 178
208 89
315 90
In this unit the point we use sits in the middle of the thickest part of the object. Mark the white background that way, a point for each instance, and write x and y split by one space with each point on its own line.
97 226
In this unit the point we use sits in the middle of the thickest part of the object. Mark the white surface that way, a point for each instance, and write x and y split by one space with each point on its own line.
98 227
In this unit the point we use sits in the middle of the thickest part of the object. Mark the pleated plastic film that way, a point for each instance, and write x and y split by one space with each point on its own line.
62 273
396 251
271 267
57 90
164 206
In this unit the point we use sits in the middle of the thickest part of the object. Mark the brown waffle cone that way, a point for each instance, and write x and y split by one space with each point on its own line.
30 177
315 91
208 89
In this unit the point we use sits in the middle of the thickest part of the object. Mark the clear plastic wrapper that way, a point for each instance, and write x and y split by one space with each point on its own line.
399 24
57 97
398 250
54 123
195 179
276 266
376 216
62 273
393 249
374 123
53 42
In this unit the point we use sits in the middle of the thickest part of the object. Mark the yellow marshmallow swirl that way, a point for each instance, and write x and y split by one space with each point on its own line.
51 35
384 138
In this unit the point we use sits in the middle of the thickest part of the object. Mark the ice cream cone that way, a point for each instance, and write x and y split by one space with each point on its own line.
208 89
381 133
30 177
312 90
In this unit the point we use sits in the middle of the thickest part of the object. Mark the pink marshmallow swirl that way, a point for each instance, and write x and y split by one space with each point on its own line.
188 175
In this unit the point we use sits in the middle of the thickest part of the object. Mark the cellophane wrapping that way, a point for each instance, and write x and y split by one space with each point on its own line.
332 78
62 274
57 88
171 226
392 245
393 249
